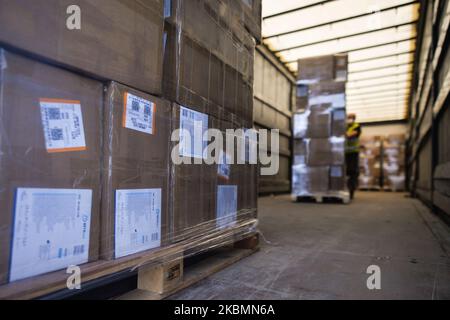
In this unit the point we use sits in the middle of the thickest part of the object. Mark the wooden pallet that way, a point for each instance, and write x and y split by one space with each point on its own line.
166 279
321 197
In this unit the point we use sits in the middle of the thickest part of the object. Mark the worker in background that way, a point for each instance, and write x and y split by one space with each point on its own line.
352 153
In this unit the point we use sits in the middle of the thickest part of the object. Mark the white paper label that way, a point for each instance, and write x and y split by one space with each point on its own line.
63 125
339 115
138 114
138 221
51 230
193 126
226 206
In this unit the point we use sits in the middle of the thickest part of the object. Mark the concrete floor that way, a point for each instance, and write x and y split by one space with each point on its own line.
315 251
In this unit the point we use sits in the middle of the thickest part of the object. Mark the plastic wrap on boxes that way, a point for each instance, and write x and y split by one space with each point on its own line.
50 161
120 40
338 178
201 192
366 182
320 152
135 199
329 151
396 182
86 182
302 97
329 92
308 180
208 66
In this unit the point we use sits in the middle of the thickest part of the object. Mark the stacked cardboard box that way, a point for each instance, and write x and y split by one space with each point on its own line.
370 163
319 126
86 118
394 162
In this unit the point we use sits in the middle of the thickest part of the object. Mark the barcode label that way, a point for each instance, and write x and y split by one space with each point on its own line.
138 222
62 122
51 230
193 126
138 114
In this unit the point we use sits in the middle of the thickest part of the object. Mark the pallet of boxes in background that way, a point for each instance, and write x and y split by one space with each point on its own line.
319 126
86 151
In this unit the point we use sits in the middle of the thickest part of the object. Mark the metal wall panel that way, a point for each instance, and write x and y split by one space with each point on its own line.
272 110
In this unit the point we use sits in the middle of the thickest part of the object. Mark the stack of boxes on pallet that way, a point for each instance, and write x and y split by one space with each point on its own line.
382 163
370 163
86 119
394 162
319 126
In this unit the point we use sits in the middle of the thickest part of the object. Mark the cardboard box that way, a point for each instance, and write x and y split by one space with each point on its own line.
315 122
251 15
136 158
51 148
339 122
119 40
322 68
308 180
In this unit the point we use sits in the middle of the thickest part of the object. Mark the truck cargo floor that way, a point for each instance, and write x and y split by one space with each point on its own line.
322 251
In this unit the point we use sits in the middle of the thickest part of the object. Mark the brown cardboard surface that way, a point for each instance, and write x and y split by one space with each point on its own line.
119 40
196 78
193 200
133 159
323 152
25 161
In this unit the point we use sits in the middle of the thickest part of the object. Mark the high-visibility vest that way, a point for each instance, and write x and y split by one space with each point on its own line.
352 144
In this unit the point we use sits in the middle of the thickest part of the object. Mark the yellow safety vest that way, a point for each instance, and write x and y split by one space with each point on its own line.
352 145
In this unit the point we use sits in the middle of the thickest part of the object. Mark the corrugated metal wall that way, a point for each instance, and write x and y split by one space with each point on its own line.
429 144
273 101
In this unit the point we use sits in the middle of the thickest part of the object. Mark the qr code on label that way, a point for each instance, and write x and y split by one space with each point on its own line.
57 134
